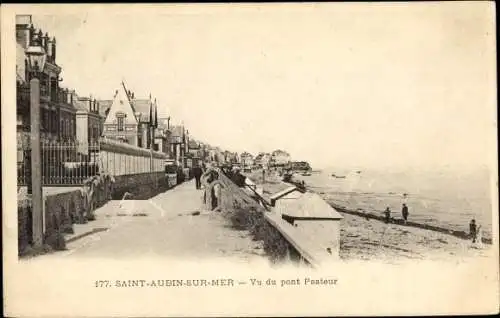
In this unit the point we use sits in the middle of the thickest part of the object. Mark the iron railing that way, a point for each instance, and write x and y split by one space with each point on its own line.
71 163
62 163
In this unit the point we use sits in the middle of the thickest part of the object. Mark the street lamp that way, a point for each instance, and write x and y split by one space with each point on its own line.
36 58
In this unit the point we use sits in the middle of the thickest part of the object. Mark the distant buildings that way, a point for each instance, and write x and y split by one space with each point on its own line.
246 159
178 143
280 158
263 159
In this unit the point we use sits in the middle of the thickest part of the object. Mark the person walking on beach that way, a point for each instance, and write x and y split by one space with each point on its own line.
197 175
387 215
473 230
405 213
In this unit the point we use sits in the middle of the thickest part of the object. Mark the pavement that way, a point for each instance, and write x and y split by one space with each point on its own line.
170 224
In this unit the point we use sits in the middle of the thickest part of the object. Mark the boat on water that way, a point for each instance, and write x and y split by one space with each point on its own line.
337 177
306 174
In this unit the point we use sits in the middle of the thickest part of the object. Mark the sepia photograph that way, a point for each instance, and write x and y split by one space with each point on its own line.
250 159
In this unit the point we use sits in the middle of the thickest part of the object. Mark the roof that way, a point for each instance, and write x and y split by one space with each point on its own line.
81 105
279 152
193 144
141 106
282 193
261 155
309 206
104 106
162 122
177 131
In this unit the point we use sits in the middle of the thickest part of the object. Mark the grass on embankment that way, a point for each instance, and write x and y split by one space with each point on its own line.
249 217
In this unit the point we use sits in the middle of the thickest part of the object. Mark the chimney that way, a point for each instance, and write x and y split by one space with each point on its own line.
45 42
39 38
53 50
31 34
68 99
49 49
26 70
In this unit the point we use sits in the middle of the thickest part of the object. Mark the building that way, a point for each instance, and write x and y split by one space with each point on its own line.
263 159
247 159
128 120
56 110
89 123
163 136
280 158
194 148
176 143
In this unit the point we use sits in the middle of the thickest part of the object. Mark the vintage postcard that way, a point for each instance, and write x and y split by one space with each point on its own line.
249 159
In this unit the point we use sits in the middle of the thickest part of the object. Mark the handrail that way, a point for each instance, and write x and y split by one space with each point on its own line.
266 204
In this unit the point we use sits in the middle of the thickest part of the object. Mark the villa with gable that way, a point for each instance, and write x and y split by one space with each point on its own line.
127 120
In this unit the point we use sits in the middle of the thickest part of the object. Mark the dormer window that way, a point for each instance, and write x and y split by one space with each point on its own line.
120 118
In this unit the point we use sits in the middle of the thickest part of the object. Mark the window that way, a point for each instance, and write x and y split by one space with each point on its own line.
120 123
120 118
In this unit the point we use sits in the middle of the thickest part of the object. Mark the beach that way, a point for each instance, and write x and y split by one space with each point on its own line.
364 238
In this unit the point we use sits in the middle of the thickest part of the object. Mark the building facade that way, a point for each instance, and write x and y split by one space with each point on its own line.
89 123
246 159
127 119
263 159
57 115
280 158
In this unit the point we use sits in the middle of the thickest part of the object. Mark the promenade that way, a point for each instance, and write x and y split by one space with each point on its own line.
171 224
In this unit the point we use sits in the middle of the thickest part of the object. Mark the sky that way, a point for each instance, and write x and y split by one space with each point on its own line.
351 85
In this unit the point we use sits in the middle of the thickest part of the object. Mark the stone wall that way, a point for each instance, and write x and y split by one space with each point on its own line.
24 224
141 186
62 210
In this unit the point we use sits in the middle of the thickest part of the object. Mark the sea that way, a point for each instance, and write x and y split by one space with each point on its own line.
442 197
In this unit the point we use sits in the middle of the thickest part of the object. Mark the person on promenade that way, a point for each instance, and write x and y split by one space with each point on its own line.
473 230
238 178
405 213
387 215
197 175
479 237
